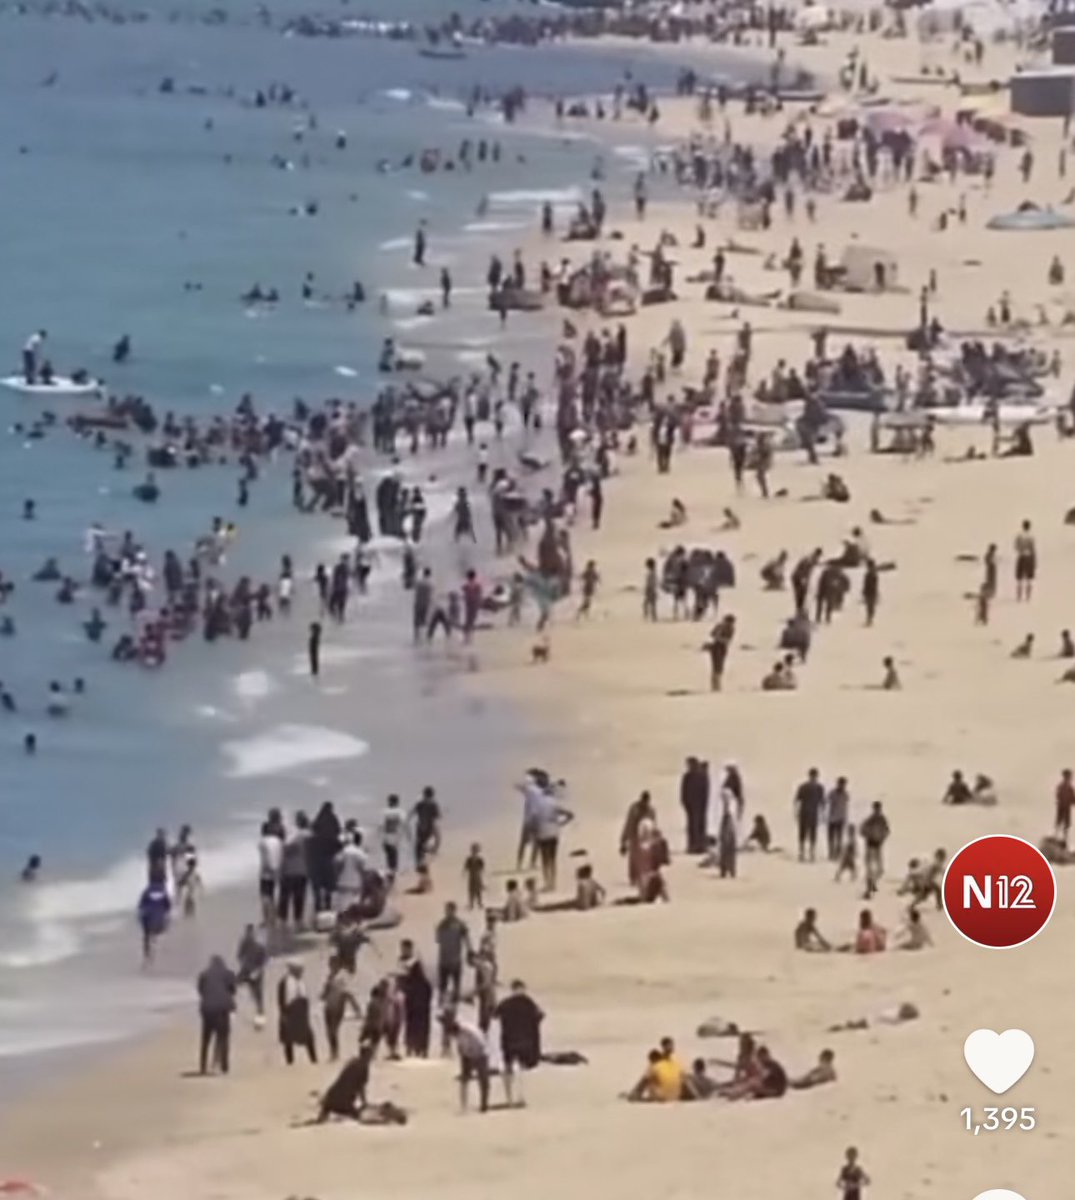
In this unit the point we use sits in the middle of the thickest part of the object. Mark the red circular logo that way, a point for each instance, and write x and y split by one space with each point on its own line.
999 891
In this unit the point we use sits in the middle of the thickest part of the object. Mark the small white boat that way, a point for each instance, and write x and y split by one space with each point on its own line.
61 385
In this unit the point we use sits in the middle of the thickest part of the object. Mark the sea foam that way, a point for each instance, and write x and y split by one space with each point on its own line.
286 747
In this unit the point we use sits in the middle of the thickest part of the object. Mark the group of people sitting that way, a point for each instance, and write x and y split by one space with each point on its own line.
756 1075
870 937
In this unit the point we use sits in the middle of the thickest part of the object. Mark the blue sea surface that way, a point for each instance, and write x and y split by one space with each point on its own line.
113 196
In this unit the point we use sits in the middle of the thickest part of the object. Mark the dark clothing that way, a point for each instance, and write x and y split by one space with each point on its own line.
216 995
694 796
773 1082
417 1007
346 1095
294 1023
520 1031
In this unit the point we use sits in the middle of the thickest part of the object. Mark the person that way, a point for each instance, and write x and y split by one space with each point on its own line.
958 790
252 958
474 873
852 1178
293 1006
453 947
32 870
216 1003
914 935
425 817
346 1095
661 1082
393 829
313 648
772 1081
549 819
1026 562
29 355
520 1038
809 801
417 992
698 1084
294 873
875 831
891 680
473 1054
808 936
694 799
823 1072
336 999
871 938
154 906
270 856
1065 802
837 810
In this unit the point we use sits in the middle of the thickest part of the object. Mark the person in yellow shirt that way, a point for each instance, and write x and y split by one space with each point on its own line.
663 1077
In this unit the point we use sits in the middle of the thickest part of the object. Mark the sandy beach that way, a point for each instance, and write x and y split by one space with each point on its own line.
621 703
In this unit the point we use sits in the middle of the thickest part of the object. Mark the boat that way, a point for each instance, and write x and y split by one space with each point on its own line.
61 385
451 54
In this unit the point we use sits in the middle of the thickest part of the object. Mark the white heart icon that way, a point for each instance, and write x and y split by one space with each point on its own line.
999 1060
999 1194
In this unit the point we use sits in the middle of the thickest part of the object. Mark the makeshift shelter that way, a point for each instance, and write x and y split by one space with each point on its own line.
1048 92
1029 218
867 269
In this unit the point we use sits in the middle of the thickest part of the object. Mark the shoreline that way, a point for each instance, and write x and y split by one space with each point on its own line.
621 978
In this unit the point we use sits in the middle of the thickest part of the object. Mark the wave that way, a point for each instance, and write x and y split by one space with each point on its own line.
399 243
253 685
554 196
285 747
493 226
401 94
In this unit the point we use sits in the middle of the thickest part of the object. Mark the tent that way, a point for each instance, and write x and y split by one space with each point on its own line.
868 269
1028 217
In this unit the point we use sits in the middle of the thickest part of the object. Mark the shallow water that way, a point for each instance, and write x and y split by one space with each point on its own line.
123 195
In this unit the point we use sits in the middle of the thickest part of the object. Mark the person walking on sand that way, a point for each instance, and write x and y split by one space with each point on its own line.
875 830
871 590
252 958
473 1053
1065 802
809 802
293 1007
852 1179
216 1003
313 648
1026 562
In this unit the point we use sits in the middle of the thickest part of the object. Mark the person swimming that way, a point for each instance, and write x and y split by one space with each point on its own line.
30 872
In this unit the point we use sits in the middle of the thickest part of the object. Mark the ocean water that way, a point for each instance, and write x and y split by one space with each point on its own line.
113 196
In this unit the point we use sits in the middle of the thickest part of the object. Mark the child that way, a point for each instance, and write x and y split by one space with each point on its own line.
474 870
848 856
590 580
514 907
531 899
188 884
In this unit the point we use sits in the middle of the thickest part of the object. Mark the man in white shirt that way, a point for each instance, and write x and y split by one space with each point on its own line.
270 857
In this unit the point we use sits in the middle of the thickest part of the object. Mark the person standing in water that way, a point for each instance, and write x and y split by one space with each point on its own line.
154 906
419 257
313 648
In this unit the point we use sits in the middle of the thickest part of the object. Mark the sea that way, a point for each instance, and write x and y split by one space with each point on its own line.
131 208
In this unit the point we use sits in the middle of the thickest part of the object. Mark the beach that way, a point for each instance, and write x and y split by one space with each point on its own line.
619 705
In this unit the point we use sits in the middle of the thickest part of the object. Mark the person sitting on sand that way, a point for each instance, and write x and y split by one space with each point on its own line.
1025 647
589 893
834 488
768 1081
677 516
920 882
958 792
796 635
698 1084
891 680
744 1069
984 791
870 938
823 1072
807 935
1067 645
914 935
346 1095
730 523
776 680
774 571
514 908
759 836
661 1082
